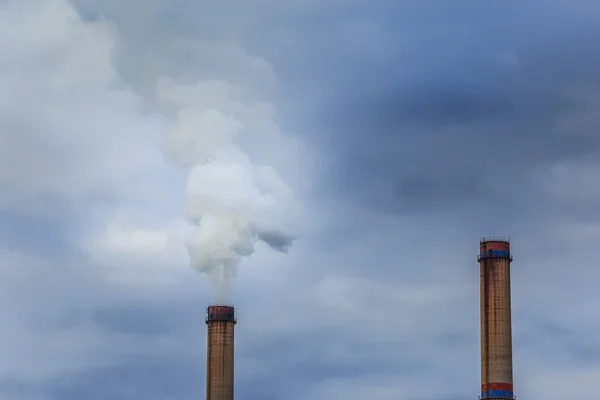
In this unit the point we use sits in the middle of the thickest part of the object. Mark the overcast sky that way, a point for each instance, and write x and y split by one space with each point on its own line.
406 129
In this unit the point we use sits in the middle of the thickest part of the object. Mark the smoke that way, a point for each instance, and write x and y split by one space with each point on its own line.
231 202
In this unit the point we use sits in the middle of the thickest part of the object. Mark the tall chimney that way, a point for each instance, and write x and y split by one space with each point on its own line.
496 331
219 358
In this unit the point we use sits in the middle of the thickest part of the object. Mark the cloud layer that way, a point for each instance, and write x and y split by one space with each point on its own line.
405 131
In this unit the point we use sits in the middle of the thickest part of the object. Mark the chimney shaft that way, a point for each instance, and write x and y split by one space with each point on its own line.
220 320
496 330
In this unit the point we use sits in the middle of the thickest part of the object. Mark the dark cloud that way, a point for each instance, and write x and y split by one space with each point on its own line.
446 144
447 106
279 241
433 124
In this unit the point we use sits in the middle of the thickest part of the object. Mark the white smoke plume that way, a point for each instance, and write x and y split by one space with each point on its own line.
231 202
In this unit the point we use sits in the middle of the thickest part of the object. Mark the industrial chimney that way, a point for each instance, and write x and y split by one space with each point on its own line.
496 332
219 358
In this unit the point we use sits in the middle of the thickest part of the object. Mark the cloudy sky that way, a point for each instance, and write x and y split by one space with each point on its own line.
406 129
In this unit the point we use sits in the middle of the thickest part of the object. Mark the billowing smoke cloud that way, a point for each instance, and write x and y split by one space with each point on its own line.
231 202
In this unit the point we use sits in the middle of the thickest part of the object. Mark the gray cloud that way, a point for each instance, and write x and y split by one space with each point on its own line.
277 240
465 101
429 126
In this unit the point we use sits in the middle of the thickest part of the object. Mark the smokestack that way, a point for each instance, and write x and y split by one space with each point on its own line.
219 358
496 331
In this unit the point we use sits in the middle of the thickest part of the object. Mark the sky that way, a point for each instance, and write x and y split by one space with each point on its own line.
406 130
